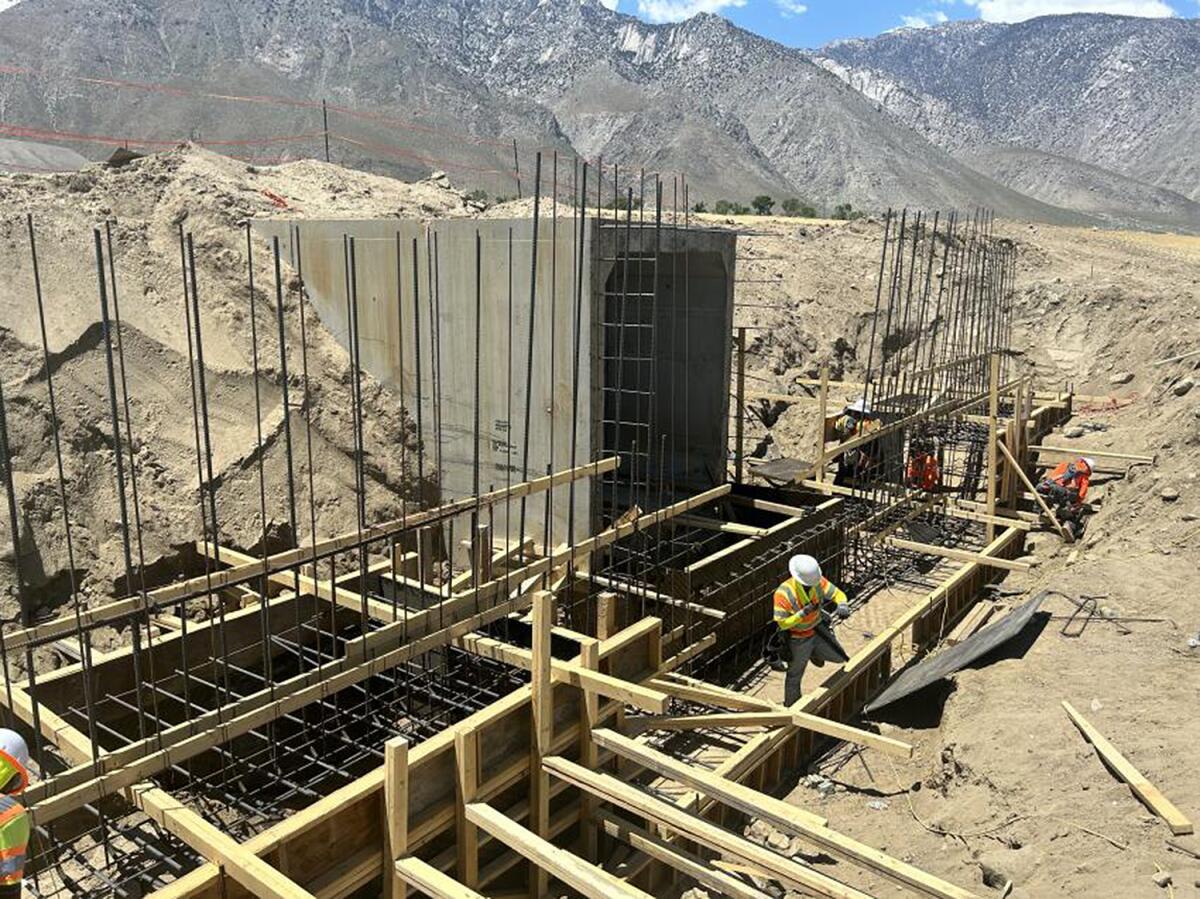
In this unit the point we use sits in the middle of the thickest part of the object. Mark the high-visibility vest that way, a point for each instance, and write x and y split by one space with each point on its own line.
14 840
793 597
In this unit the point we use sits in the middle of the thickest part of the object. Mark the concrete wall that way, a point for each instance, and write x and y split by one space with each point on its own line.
420 338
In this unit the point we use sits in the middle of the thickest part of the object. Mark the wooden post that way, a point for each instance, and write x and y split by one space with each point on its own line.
1041 502
426 554
822 412
466 757
993 437
589 657
739 453
481 552
606 615
395 805
543 731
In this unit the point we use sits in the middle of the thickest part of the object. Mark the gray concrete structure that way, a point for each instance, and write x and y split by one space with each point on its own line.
650 310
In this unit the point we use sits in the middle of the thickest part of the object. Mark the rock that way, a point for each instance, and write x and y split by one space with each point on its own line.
1075 431
1169 494
878 805
779 842
1162 878
1097 705
1181 388
1121 377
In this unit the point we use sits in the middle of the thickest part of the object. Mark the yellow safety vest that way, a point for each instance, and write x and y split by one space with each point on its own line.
14 840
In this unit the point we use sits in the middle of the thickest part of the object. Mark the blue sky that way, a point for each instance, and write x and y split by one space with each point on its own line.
811 23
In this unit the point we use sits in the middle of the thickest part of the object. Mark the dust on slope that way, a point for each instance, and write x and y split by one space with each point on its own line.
1002 786
211 197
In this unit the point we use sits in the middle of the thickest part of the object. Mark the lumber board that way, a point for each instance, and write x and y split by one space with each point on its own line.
1081 451
971 622
780 814
432 882
578 874
958 555
1041 502
693 827
1124 769
682 861
395 809
643 592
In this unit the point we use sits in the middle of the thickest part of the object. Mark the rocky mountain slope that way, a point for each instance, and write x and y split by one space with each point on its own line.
1113 92
738 113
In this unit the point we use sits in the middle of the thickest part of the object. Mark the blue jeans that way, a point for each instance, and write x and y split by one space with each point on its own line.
803 649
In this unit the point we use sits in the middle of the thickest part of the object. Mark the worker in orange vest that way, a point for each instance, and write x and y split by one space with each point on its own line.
1064 489
798 602
924 472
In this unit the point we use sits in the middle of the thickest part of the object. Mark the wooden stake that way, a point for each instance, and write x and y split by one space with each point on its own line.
993 439
395 794
543 732
1041 502
466 758
822 412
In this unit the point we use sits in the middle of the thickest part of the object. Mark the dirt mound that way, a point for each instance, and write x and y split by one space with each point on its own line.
148 200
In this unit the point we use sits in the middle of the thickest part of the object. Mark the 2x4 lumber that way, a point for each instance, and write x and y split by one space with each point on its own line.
698 691
780 814
542 683
432 882
395 804
576 873
822 415
1138 784
321 589
688 653
971 622
589 658
572 673
699 830
765 505
643 592
959 555
1078 451
200 585
682 861
498 558
466 759
245 867
774 529
724 527
1025 479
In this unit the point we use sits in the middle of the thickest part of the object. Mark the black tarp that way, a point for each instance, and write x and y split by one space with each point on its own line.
959 656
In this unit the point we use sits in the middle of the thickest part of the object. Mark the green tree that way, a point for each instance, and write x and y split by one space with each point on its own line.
723 207
739 209
845 212
478 195
763 204
798 208
699 207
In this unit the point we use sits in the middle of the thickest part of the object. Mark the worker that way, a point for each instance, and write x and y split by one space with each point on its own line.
856 419
1064 489
798 603
14 822
924 472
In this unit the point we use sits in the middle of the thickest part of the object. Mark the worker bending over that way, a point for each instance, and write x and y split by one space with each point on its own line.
923 472
1064 490
14 821
856 419
798 604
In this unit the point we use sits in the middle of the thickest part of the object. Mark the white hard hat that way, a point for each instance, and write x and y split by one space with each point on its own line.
859 405
1090 463
14 751
805 569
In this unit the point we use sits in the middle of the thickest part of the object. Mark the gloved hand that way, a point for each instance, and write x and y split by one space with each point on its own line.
842 610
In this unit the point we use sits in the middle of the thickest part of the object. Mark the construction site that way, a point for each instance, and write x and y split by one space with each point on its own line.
360 541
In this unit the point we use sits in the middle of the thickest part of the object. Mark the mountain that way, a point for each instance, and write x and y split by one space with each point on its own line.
1114 93
450 83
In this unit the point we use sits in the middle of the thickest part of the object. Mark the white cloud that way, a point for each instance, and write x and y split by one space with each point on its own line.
678 10
789 8
611 4
1020 10
925 19
5 4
